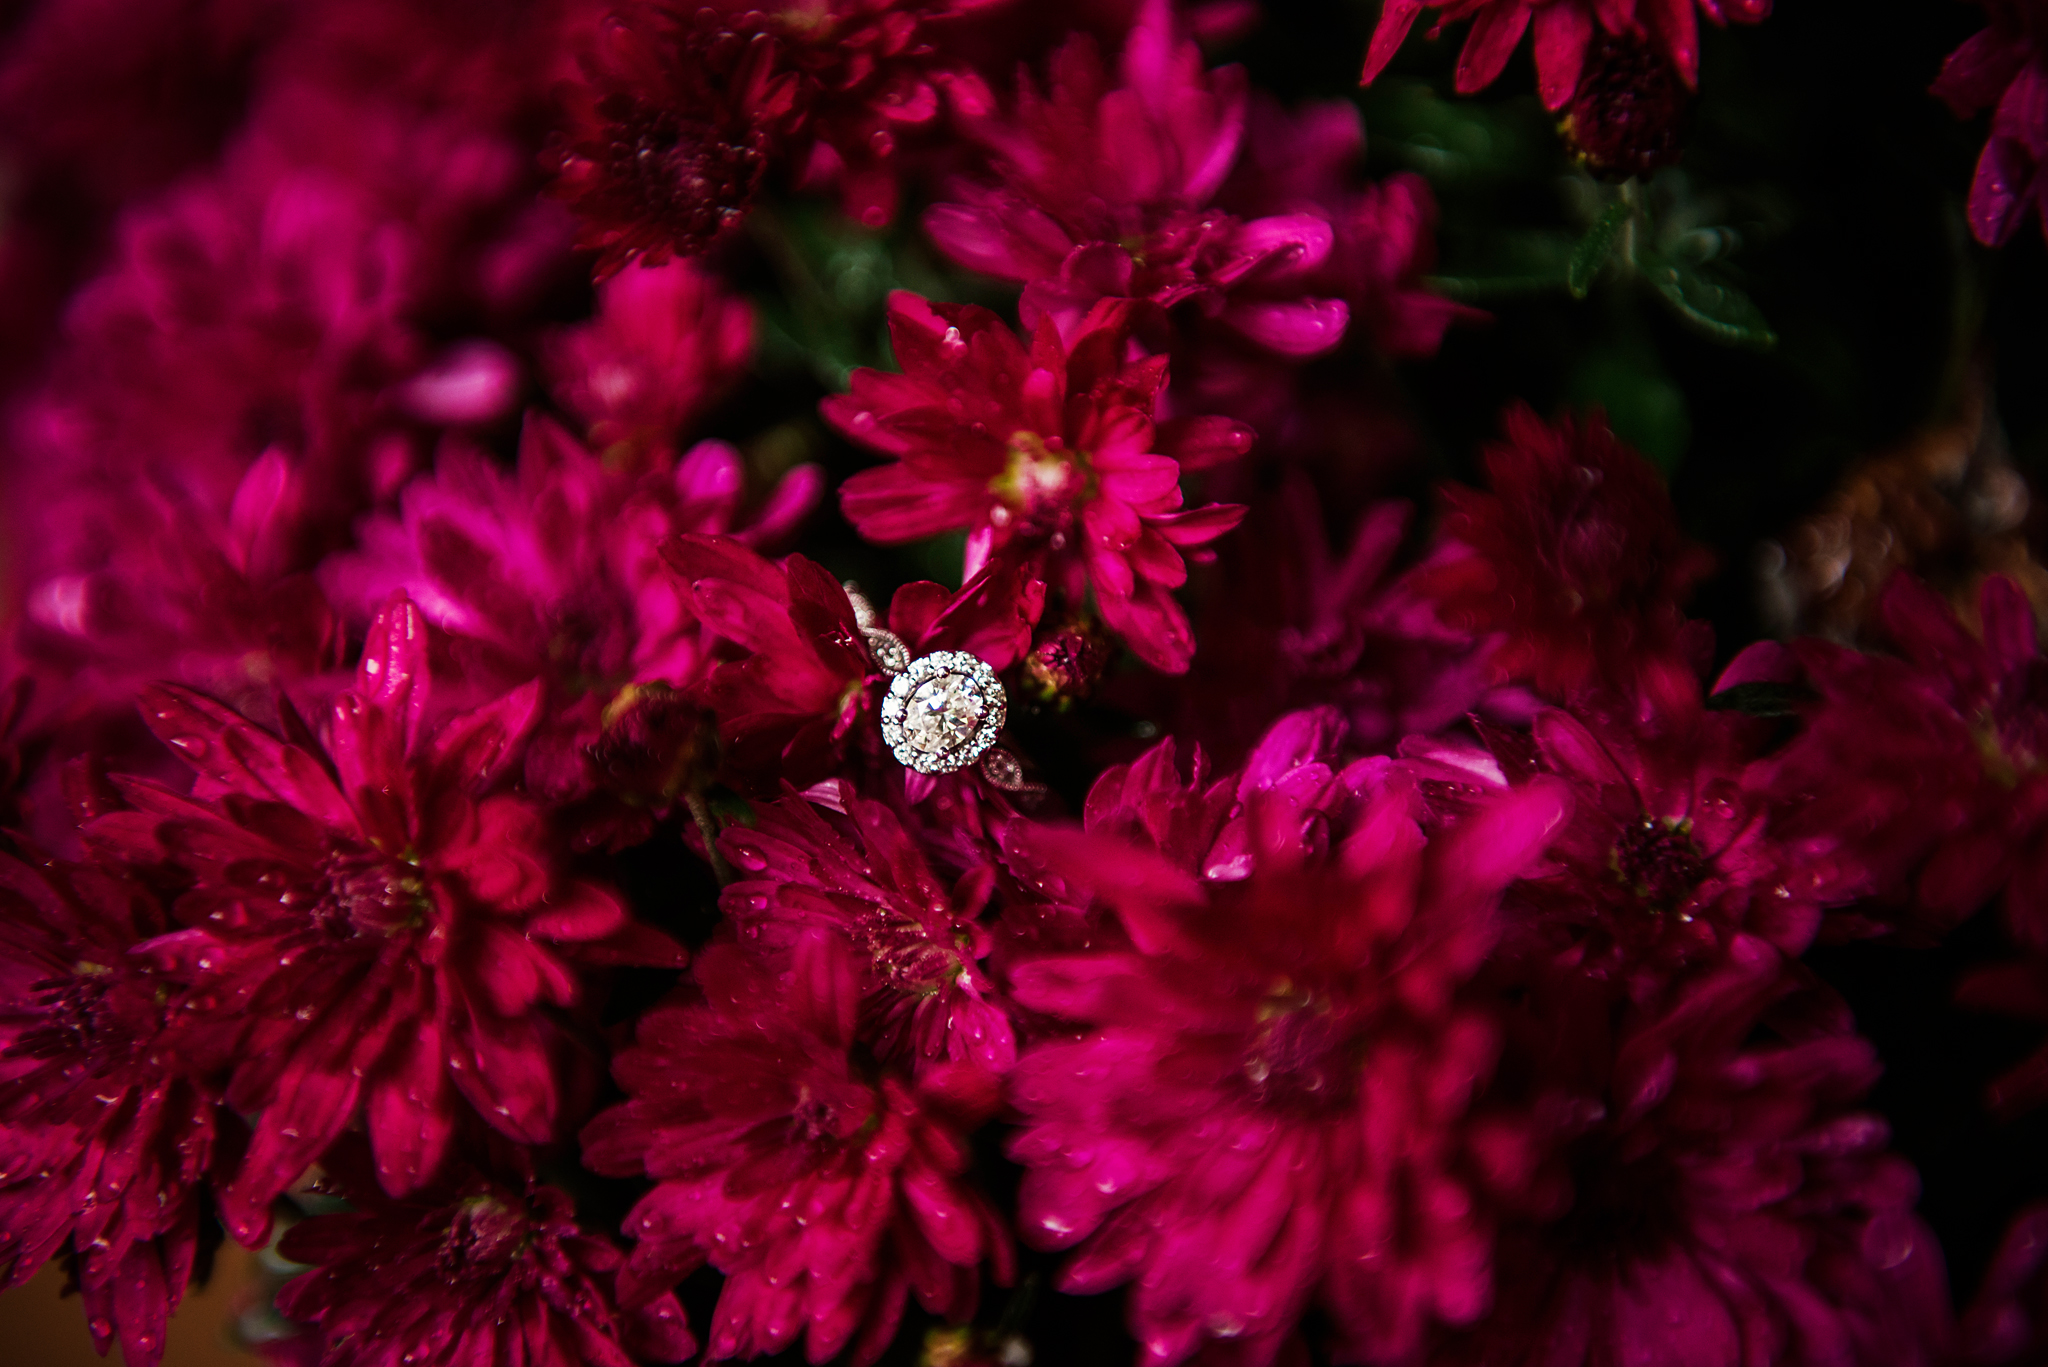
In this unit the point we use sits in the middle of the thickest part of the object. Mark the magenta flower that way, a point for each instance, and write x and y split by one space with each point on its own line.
1267 1101
1676 844
665 344
1383 236
1291 622
2006 65
556 574
1565 30
798 693
683 109
252 370
1930 771
279 302
371 929
787 707
1577 560
476 1271
2004 1325
164 585
824 1191
1722 1197
926 999
1050 449
106 1127
1996 687
1107 191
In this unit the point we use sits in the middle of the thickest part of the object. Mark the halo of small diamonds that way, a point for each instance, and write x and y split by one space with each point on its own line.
943 712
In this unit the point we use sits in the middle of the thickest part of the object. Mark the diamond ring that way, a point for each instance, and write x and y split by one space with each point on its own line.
943 711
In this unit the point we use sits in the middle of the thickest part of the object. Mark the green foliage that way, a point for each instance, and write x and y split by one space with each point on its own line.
1595 247
823 305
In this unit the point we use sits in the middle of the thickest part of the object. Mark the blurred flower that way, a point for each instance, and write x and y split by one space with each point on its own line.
1996 685
107 1129
255 367
1929 770
101 103
1565 30
1049 449
1576 558
368 923
1107 191
666 341
2005 65
1383 235
824 1191
1267 1100
2003 1326
1289 622
682 109
925 997
555 573
1725 1200
167 588
475 1271
1065 666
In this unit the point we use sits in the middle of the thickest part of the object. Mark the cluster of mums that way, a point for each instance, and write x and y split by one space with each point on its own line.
1419 981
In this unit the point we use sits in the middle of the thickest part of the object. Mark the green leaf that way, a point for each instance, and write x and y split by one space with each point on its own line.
1595 247
1708 303
1762 699
1458 142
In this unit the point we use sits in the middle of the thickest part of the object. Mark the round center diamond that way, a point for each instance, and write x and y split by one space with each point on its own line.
942 712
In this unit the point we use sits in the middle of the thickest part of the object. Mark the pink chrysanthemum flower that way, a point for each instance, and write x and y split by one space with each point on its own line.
555 573
1992 692
1931 770
683 108
2007 66
825 1192
256 366
1383 236
797 690
371 929
1292 622
1266 1102
1725 1199
926 998
1200 824
1576 559
281 302
1107 191
106 1128
1565 31
664 345
1675 843
476 1271
1050 449
166 585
